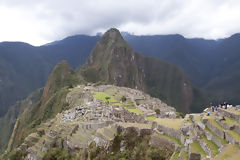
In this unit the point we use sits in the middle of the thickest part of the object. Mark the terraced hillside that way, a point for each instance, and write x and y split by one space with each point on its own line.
95 114
110 122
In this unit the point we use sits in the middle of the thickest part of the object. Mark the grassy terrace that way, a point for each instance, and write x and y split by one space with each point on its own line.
231 151
214 148
230 121
115 100
234 134
197 117
169 138
171 123
232 111
223 141
183 154
175 156
214 123
139 125
196 148
151 118
103 97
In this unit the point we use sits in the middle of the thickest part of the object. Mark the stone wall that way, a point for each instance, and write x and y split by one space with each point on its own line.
229 138
237 129
214 139
224 125
170 131
163 143
217 131
205 147
228 114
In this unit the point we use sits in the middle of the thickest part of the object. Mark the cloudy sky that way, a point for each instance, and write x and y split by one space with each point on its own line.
42 21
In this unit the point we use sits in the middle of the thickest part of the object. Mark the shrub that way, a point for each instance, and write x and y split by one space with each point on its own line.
157 111
17 155
57 154
123 99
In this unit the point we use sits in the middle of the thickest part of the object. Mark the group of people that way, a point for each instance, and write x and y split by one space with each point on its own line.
223 105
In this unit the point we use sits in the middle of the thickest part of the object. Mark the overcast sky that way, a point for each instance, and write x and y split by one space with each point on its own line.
42 21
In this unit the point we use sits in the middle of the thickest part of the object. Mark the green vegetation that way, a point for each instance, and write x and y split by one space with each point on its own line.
216 124
104 97
139 125
196 148
171 123
223 141
123 99
197 117
213 147
230 121
135 110
17 155
183 154
137 148
57 154
157 111
8 121
234 134
175 156
169 137
151 118
231 151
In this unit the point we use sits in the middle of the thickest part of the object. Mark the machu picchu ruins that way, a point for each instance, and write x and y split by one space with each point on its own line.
99 114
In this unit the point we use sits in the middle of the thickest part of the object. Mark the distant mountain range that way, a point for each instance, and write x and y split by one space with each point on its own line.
112 61
210 65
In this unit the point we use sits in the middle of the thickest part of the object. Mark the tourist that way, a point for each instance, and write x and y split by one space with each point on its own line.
223 118
212 108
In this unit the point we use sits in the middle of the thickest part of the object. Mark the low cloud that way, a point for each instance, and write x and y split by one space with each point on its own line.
39 22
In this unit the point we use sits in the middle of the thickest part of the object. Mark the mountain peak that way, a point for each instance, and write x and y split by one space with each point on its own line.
111 36
62 75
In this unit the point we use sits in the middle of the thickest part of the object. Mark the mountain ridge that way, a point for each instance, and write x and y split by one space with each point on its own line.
113 61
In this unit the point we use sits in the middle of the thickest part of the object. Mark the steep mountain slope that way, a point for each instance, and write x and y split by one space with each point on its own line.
21 72
52 101
8 121
225 85
24 68
113 61
194 56
208 64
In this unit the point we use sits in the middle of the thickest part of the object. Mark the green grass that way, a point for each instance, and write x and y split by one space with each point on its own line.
232 111
175 155
197 118
171 123
230 121
196 148
102 96
231 152
139 125
169 137
135 110
223 141
216 124
234 134
214 148
128 105
151 118
184 155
